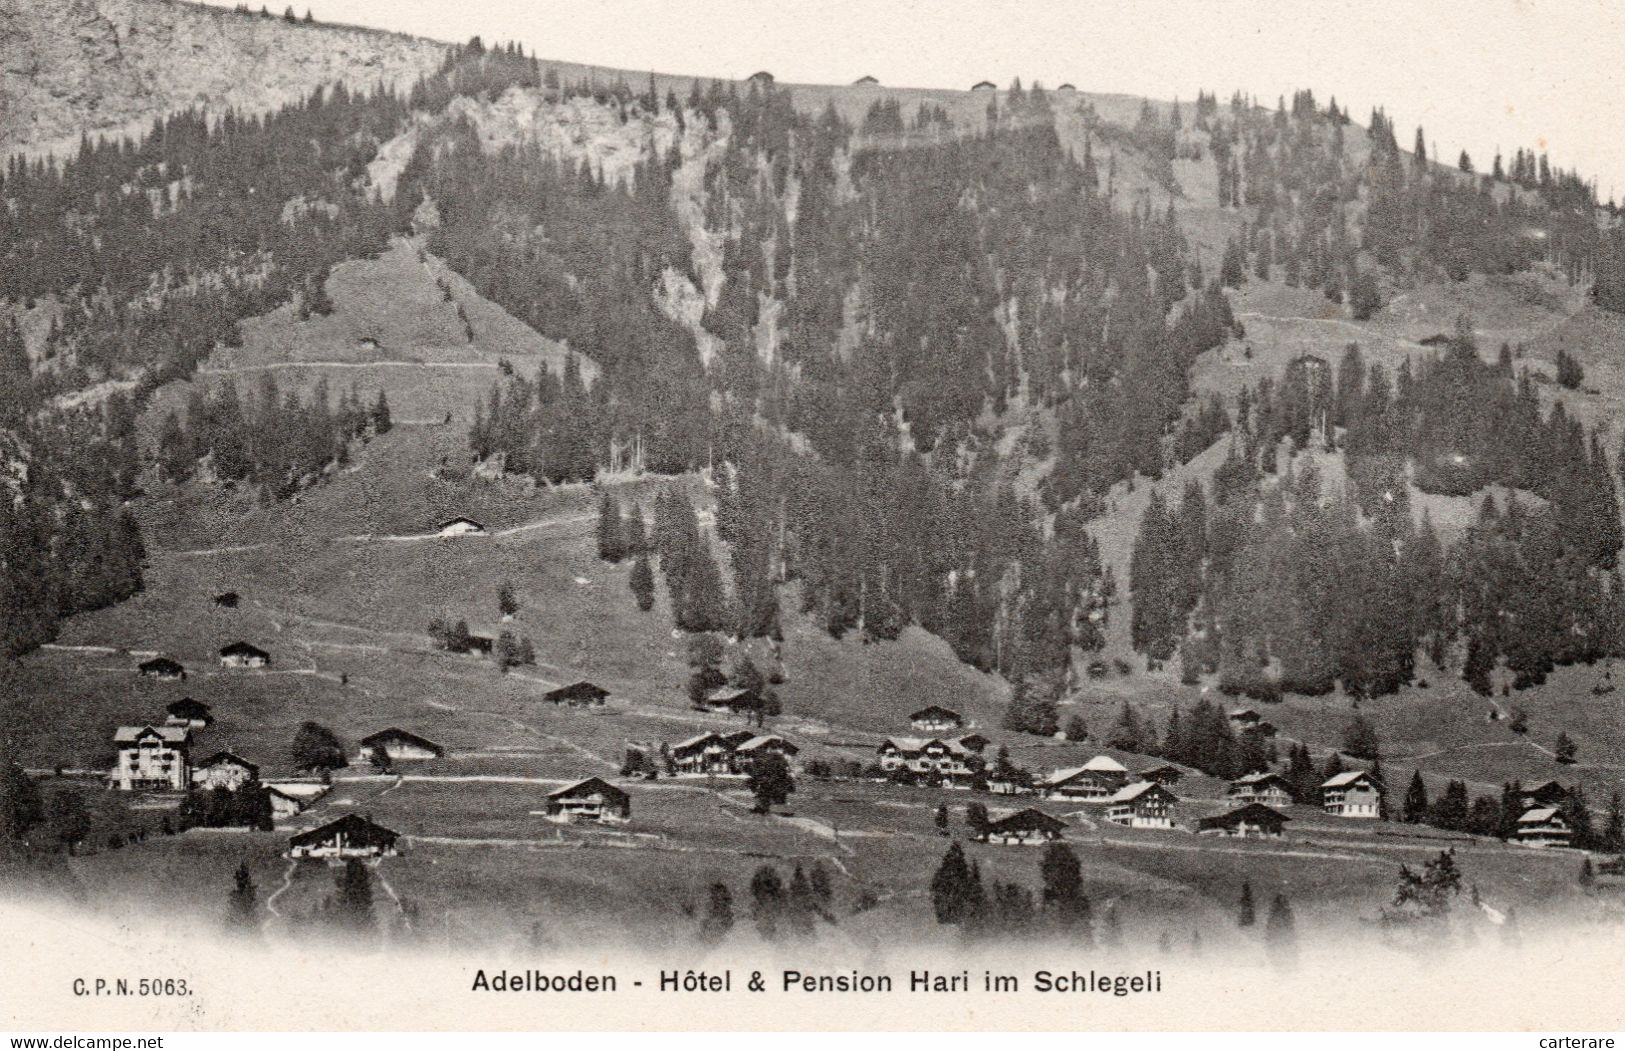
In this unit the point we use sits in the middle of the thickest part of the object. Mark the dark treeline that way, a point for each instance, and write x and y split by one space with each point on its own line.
1274 584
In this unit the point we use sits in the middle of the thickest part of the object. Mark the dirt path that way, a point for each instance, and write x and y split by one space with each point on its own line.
270 902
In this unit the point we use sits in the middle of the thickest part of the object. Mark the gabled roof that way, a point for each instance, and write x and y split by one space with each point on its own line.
461 520
933 711
1252 813
1261 777
1347 777
589 786
395 733
1025 820
1245 713
162 664
1094 766
697 741
1129 793
359 830
579 688
186 706
732 695
242 649
167 734
1105 764
229 758
1540 815
763 740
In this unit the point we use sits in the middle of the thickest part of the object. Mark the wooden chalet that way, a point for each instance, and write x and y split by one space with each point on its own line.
1543 827
460 526
224 770
1098 779
1022 828
1353 793
706 753
591 800
749 752
398 745
1265 787
189 713
351 836
1547 794
1144 804
164 668
734 699
933 758
935 719
1252 821
578 694
241 654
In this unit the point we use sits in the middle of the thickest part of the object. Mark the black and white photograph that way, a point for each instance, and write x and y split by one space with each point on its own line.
522 516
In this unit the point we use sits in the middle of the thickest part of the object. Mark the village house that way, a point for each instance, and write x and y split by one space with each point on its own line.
747 753
152 758
591 800
398 745
1543 827
189 713
291 797
224 770
1548 794
1165 775
1246 822
1353 793
1098 779
461 526
1022 828
1264 787
161 668
734 699
1144 804
351 836
933 758
935 719
705 753
578 694
243 655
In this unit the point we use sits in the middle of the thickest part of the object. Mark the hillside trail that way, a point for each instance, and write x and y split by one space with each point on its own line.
545 522
270 902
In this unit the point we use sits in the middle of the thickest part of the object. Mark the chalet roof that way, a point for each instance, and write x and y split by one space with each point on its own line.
579 688
732 695
1129 793
1539 815
934 711
588 787
167 734
1347 777
696 741
920 744
763 740
1105 764
1253 813
1546 790
1165 768
229 759
461 520
1027 819
160 664
1261 777
186 706
395 733
358 830
242 649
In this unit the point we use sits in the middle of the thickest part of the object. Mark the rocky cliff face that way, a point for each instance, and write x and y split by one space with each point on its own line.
111 66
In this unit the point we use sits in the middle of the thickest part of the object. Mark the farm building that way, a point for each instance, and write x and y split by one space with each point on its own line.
935 719
227 599
399 745
152 758
578 694
1023 827
351 836
224 770
461 526
161 668
1144 804
733 699
1246 822
243 655
482 641
1097 779
591 800
706 753
290 797
1265 787
1164 775
1549 794
1353 793
929 757
189 713
1543 827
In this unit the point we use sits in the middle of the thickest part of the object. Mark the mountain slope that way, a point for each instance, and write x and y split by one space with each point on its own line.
111 66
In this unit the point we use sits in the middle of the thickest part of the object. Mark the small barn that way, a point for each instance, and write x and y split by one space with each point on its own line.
461 526
935 719
1022 828
591 800
351 836
291 797
1144 804
224 770
399 745
243 655
161 668
227 600
1353 793
1247 822
578 694
189 713
734 699
1268 788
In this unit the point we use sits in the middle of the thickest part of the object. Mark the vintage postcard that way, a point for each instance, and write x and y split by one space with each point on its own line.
841 517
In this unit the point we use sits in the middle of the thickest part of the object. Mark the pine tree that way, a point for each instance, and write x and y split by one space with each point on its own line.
1246 915
642 582
242 906
1063 896
951 894
611 529
767 904
1416 800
